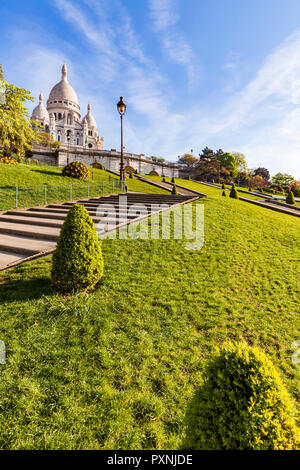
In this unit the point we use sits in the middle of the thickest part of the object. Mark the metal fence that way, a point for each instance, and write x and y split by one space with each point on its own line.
15 197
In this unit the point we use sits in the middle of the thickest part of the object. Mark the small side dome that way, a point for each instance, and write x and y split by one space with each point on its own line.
89 118
40 113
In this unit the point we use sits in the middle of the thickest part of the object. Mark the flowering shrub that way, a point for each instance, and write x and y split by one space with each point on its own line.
76 170
8 161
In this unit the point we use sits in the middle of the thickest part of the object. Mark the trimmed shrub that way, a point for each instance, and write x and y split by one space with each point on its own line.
249 189
173 180
242 404
233 192
77 262
131 175
136 172
98 165
174 189
153 173
290 199
76 170
164 179
189 178
223 193
223 186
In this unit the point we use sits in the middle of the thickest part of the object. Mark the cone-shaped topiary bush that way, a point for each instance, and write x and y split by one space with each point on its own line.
189 178
136 172
223 186
249 189
164 179
173 180
290 199
131 175
242 404
76 170
174 190
77 261
233 192
224 193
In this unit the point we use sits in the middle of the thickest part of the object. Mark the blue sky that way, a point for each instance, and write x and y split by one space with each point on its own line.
221 73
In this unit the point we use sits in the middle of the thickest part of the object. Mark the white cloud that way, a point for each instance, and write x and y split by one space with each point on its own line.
163 14
164 17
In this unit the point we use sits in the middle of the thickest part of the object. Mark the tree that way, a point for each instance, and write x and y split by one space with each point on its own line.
228 161
207 155
189 160
282 179
241 164
294 186
16 132
258 182
46 139
263 172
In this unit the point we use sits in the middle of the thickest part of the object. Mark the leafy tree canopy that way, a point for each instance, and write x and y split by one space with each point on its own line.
282 179
16 133
188 159
228 161
263 172
241 164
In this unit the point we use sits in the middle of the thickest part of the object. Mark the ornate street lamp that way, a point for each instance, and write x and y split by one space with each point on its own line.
122 110
68 139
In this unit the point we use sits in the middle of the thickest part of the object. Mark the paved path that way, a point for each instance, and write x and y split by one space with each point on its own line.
29 233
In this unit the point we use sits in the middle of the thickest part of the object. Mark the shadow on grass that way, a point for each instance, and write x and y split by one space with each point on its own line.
48 172
25 289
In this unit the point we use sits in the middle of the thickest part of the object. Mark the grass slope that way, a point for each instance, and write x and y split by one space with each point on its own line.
34 175
31 181
116 369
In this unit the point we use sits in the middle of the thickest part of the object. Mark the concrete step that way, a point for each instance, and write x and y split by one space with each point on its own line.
44 233
52 220
24 245
7 258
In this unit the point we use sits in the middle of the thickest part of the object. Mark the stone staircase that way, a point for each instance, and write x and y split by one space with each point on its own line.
29 233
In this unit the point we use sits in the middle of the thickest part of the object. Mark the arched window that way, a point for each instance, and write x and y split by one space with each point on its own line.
58 137
69 120
59 115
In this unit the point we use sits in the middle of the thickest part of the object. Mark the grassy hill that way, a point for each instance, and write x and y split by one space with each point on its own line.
116 369
31 181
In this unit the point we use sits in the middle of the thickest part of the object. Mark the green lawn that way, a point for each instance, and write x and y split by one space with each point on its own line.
116 369
34 175
32 179
142 187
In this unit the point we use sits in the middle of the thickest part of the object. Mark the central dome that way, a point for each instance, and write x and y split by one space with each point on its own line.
63 90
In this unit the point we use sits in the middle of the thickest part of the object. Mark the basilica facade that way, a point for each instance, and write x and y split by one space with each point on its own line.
61 117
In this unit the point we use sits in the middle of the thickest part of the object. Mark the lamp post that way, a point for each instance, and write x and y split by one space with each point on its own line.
68 139
122 110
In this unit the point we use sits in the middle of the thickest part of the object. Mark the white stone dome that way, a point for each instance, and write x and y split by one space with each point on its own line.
63 90
40 113
89 119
